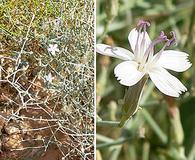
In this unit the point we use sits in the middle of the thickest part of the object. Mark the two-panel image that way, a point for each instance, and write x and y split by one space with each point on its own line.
97 80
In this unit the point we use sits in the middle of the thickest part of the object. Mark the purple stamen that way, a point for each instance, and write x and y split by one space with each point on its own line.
162 38
172 41
168 43
143 23
141 27
162 34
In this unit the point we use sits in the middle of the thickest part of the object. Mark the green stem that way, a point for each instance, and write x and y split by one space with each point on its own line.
108 123
114 153
116 123
192 21
116 142
154 126
146 150
102 138
106 28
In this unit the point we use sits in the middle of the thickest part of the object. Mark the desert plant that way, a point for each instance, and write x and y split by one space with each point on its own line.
46 79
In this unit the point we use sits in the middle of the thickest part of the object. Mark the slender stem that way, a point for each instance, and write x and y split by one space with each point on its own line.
114 153
192 21
116 123
154 126
108 123
146 150
106 28
102 138
116 142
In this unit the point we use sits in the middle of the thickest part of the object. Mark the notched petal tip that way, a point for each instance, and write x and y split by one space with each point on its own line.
174 60
189 65
166 83
127 73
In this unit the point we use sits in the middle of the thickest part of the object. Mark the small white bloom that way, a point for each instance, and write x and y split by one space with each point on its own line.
53 48
49 78
145 62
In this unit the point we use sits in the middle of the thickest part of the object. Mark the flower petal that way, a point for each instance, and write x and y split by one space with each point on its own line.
174 60
55 46
57 50
50 45
116 52
127 73
133 40
165 82
53 53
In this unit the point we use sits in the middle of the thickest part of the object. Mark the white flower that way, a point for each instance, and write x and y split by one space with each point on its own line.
49 78
53 48
145 62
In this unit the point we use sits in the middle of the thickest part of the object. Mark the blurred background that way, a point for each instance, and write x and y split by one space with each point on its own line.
164 129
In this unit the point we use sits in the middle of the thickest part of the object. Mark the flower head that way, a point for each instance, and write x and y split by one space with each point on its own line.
143 60
53 48
49 78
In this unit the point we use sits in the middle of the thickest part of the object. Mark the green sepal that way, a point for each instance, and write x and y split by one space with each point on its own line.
131 100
